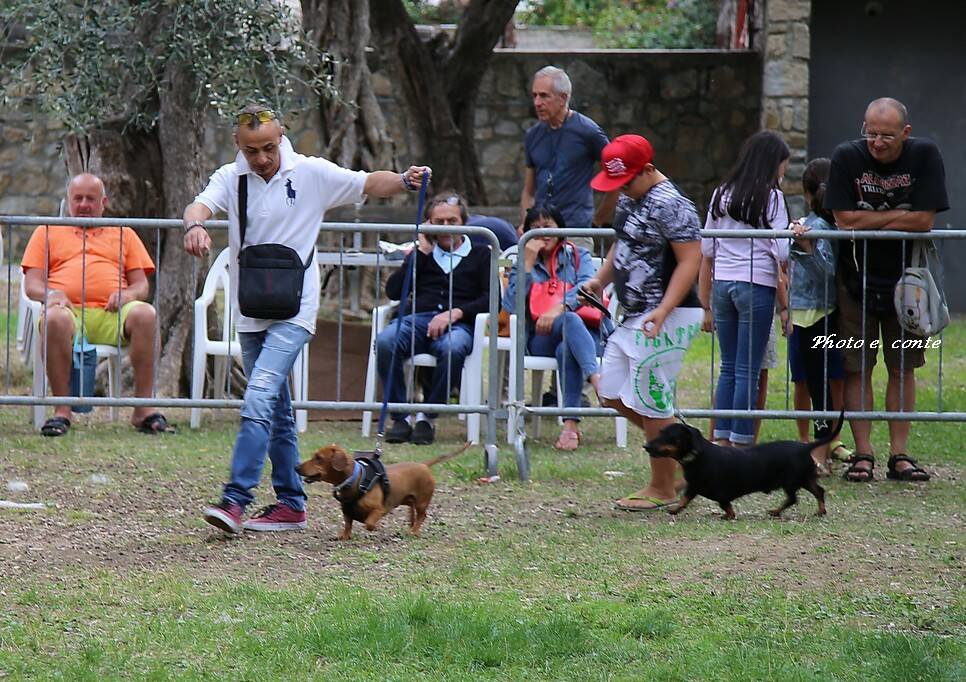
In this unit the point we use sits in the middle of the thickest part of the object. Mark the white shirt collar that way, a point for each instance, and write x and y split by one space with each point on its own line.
450 260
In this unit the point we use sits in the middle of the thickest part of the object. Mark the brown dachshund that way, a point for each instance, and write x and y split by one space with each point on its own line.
362 492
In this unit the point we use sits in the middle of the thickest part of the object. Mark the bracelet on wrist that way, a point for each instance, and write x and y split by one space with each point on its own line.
407 183
192 225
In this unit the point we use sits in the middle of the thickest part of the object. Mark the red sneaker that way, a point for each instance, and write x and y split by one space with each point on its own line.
276 517
225 515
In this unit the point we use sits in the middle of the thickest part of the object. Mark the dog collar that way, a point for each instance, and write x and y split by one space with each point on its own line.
356 472
690 457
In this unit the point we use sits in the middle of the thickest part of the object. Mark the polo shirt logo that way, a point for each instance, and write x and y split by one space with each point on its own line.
289 193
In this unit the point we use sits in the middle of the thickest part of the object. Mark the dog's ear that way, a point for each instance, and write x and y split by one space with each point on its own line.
340 459
694 435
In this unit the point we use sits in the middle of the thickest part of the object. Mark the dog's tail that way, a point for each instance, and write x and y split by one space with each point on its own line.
443 458
832 436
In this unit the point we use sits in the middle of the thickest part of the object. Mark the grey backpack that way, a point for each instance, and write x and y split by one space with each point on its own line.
919 300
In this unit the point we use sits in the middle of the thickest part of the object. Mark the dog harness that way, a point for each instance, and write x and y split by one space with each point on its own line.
368 471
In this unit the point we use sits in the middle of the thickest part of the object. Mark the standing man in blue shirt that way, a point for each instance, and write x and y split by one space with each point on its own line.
562 150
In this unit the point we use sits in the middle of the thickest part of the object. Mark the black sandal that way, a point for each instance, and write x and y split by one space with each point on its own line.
853 470
913 473
55 426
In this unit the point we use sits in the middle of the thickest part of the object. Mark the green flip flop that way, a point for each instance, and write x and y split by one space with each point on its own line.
656 503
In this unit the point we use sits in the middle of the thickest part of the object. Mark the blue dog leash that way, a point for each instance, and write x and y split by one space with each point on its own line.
407 282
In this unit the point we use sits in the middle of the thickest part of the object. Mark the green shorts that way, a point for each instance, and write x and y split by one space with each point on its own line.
103 327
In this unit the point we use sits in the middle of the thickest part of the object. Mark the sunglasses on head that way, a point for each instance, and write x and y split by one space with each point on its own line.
263 116
451 200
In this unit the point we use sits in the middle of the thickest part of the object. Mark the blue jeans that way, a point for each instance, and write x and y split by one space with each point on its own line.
454 345
743 315
267 422
575 348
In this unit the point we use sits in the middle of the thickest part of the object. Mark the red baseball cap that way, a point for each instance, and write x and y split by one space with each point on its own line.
622 160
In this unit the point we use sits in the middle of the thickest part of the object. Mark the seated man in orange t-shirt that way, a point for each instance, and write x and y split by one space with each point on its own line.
93 282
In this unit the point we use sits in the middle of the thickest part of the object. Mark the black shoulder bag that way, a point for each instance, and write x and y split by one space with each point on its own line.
270 276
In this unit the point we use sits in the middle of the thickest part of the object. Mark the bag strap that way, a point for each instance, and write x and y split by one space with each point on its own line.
562 244
553 259
920 253
573 250
242 207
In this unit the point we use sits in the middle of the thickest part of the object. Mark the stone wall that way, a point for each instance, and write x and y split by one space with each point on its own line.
32 171
696 107
785 86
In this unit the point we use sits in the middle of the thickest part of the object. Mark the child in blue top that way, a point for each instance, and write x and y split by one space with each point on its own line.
812 300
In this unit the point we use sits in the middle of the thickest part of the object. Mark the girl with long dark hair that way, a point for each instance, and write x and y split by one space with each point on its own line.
745 275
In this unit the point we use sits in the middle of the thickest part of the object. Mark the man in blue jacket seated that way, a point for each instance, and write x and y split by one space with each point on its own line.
452 286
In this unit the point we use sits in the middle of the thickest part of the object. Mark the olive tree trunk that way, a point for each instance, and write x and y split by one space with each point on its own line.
181 126
440 81
156 174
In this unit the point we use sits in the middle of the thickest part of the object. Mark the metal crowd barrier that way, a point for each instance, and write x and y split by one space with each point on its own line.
522 409
492 408
489 408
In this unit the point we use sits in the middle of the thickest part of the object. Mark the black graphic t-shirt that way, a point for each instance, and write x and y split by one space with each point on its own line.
916 181
643 257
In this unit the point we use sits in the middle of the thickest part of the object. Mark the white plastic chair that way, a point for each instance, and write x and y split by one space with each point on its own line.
32 352
474 363
217 283
381 316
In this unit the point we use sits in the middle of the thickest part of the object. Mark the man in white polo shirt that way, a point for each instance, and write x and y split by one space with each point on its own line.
287 197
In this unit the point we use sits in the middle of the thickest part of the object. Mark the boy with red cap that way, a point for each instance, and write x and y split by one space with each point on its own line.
654 266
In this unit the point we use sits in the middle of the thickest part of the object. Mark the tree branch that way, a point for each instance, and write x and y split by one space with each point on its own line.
480 27
421 78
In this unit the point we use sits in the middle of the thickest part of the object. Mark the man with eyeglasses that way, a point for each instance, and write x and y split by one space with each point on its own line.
451 286
886 180
287 197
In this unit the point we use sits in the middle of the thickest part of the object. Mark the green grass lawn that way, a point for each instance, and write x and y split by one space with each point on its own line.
119 578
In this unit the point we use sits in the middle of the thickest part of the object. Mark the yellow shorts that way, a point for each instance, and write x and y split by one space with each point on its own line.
103 327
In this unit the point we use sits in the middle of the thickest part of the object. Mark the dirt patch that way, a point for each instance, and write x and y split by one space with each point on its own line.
155 526
127 504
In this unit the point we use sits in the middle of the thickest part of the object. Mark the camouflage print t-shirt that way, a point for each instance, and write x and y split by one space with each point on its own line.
643 259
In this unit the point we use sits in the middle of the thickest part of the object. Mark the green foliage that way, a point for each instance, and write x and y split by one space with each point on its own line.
445 12
654 24
563 13
87 63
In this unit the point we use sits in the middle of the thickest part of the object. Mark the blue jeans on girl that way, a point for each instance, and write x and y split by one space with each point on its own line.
743 316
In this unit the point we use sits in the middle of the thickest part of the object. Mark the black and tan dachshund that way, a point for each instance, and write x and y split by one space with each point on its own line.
724 474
